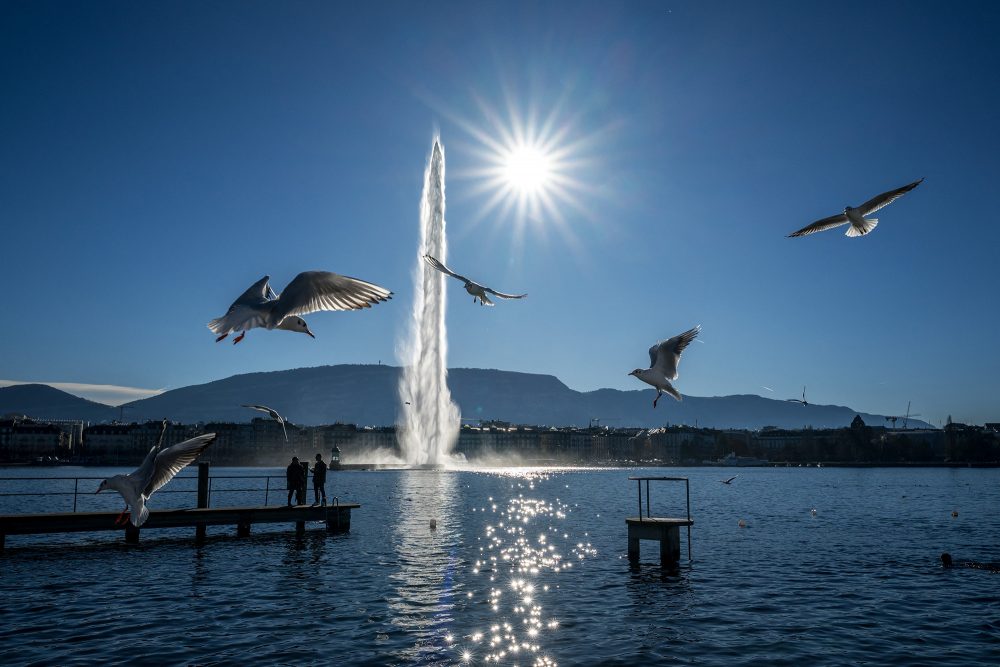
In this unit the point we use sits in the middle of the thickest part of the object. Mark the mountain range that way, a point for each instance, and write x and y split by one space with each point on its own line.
367 395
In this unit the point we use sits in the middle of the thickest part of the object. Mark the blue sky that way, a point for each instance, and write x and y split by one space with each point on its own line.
157 159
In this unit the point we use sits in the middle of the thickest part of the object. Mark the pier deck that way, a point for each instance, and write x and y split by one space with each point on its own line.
337 518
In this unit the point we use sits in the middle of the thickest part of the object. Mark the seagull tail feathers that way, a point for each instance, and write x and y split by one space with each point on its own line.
669 389
852 231
486 300
218 325
139 513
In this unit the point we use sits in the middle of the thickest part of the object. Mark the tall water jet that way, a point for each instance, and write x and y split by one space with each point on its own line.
430 420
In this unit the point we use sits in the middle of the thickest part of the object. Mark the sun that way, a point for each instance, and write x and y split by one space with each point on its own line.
527 169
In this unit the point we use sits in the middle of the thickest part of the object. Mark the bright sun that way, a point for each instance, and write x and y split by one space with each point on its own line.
526 169
530 169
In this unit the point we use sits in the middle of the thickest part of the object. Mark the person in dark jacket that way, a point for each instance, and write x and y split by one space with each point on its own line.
319 480
296 478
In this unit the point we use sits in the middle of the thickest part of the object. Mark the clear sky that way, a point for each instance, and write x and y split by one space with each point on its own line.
158 158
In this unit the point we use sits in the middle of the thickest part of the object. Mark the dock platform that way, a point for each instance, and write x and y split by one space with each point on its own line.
337 518
665 530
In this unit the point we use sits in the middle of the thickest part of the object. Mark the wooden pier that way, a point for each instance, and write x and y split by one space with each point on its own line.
336 516
337 519
664 530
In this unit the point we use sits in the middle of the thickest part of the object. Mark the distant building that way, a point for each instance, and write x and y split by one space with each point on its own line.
24 440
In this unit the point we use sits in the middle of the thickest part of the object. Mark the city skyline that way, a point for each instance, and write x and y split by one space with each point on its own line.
159 159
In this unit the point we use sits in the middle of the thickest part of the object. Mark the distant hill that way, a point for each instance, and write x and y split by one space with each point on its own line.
44 402
367 395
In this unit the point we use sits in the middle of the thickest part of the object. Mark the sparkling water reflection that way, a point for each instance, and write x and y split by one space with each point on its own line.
529 567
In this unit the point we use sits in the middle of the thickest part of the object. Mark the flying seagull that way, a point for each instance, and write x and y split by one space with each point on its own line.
802 400
663 360
157 469
730 480
274 415
859 226
472 287
309 292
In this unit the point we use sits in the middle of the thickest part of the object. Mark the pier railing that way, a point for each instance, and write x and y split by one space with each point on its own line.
85 491
687 498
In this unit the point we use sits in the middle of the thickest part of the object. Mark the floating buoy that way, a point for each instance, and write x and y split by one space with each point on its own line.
434 524
954 514
742 524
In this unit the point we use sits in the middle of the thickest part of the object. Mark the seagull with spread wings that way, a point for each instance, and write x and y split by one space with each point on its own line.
309 292
803 400
663 360
730 480
274 415
472 287
859 225
158 468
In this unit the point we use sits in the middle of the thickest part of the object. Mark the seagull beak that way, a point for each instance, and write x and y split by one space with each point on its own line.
311 334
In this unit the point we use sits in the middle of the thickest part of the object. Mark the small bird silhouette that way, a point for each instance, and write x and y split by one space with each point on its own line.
274 415
802 400
477 291
730 480
856 216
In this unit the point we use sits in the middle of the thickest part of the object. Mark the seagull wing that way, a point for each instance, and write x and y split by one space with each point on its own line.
822 225
263 408
312 291
886 198
666 355
504 296
173 459
259 291
444 269
141 476
245 313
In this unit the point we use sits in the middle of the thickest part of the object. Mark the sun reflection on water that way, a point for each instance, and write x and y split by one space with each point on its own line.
523 544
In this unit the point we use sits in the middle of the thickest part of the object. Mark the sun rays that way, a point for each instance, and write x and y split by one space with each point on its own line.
528 170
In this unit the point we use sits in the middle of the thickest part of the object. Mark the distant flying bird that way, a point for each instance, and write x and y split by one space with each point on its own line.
856 216
274 415
663 360
730 480
803 400
472 287
309 292
157 469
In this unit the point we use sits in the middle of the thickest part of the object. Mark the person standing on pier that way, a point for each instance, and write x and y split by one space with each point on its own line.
319 480
296 478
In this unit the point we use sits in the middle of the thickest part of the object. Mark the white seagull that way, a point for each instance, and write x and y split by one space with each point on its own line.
803 400
157 469
663 360
274 415
472 287
856 216
309 292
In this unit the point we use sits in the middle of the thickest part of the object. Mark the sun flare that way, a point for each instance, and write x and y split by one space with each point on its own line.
527 169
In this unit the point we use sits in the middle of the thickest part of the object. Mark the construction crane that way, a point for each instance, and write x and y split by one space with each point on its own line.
905 418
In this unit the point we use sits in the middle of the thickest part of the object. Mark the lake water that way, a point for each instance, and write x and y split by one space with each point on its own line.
525 568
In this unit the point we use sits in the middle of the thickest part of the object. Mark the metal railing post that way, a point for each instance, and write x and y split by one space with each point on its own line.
76 484
267 489
204 486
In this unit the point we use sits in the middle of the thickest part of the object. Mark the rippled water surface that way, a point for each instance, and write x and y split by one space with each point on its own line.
527 568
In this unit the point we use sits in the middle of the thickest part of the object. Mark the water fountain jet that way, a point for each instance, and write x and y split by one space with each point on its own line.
429 423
